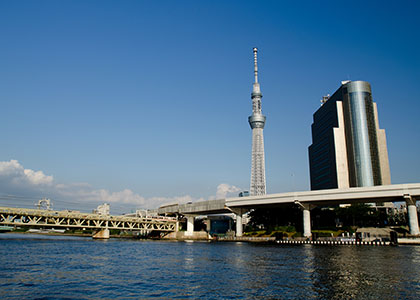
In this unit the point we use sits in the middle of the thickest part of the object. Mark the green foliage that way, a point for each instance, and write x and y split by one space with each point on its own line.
297 234
255 233
350 229
287 222
327 233
248 228
289 219
22 229
359 215
269 233
285 228
276 218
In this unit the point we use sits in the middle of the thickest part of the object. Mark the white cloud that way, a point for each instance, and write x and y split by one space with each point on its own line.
126 196
14 172
37 177
225 189
10 167
16 180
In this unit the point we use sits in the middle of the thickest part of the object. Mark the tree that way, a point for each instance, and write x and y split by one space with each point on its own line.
358 215
269 219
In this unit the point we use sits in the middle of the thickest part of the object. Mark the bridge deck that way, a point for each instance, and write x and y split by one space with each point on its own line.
45 218
373 194
201 207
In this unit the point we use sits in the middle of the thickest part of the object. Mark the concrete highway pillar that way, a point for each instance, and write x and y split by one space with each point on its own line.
190 226
306 208
239 226
208 224
239 212
307 232
413 221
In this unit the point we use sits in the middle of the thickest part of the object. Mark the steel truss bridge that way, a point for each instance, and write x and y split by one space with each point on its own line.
62 219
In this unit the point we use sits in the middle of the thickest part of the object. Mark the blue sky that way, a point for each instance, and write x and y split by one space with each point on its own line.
143 102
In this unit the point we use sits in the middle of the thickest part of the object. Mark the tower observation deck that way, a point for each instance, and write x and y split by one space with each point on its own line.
257 122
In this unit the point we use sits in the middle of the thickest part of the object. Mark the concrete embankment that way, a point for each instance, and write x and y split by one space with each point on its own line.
333 243
401 241
204 236
252 239
408 241
183 235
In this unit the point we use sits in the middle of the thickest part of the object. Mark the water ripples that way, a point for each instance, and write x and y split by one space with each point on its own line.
70 268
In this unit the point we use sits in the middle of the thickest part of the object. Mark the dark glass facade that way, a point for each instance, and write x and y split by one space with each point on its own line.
321 152
360 139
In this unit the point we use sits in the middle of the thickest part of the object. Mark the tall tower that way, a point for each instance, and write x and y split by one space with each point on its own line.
257 122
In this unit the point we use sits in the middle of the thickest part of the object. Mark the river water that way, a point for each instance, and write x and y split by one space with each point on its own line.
44 267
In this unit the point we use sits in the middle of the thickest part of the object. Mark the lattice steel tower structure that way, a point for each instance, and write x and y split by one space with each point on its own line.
257 122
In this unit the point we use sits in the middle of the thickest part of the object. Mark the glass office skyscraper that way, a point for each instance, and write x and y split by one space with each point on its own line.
348 148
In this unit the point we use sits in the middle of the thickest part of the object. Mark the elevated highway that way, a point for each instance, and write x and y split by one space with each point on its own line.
408 193
197 208
373 194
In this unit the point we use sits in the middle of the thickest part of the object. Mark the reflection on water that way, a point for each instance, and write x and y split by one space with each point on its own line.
68 267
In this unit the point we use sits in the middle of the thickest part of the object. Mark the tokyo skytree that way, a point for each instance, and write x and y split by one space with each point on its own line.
257 122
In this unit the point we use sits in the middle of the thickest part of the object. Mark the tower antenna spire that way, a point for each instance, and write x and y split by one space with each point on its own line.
255 65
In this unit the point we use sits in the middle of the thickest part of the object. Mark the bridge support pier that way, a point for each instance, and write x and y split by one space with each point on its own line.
306 208
307 232
101 234
239 227
239 212
190 226
413 222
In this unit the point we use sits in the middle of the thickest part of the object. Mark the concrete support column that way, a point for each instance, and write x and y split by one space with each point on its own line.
190 226
239 228
307 232
413 221
208 224
306 208
239 212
